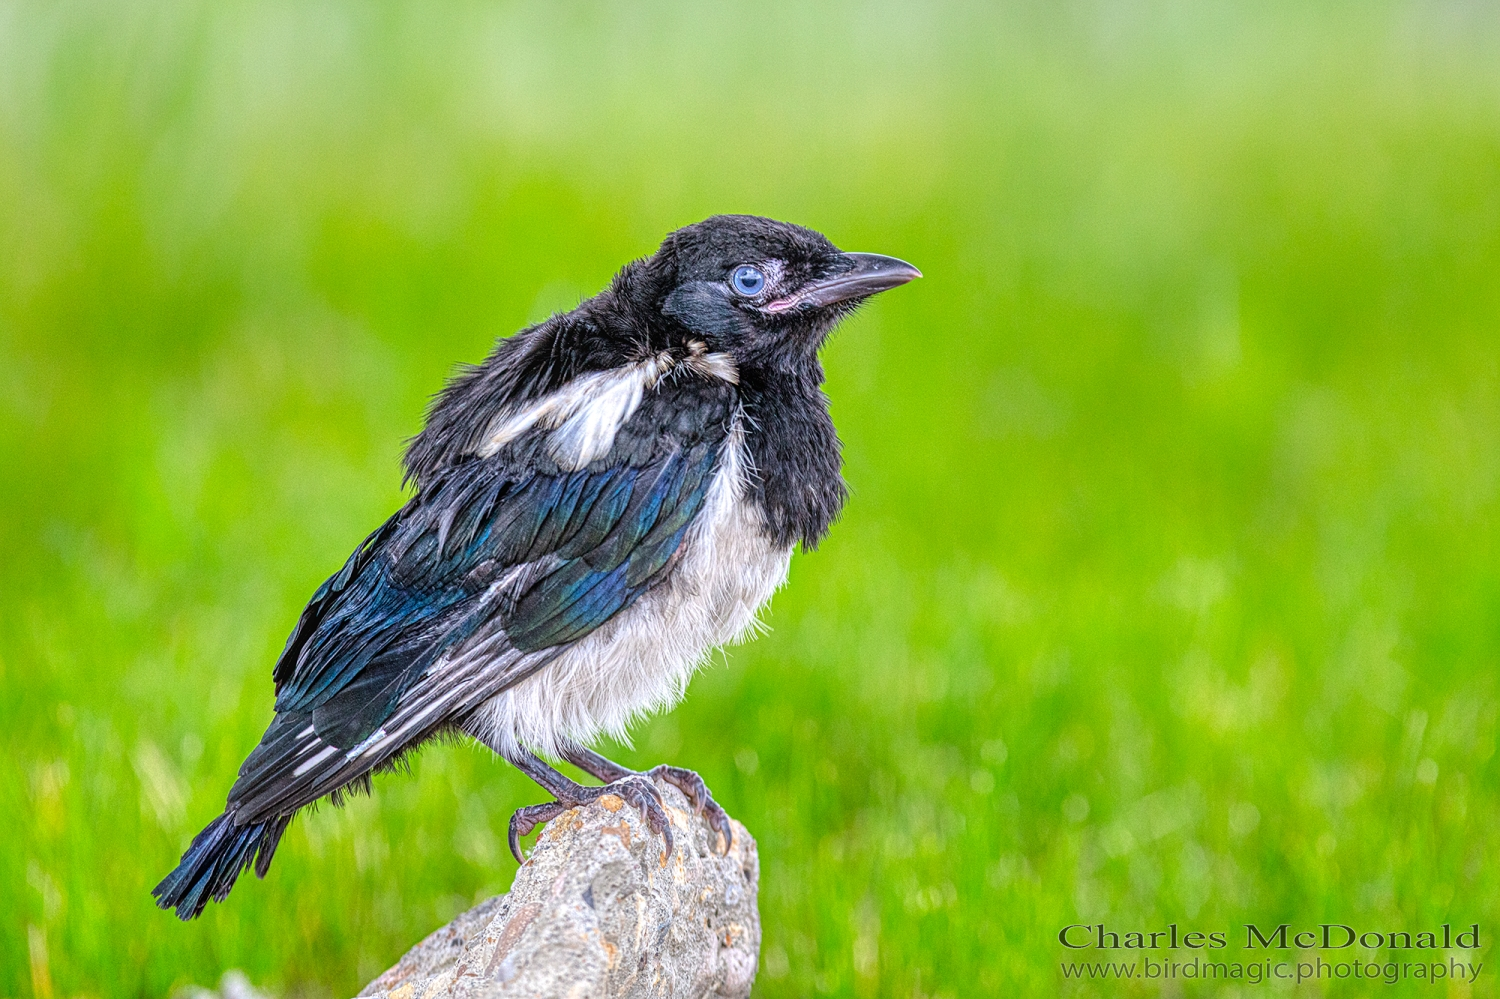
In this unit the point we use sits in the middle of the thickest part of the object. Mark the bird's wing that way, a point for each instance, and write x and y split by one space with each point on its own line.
499 563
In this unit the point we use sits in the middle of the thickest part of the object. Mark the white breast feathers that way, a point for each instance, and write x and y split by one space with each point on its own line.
641 660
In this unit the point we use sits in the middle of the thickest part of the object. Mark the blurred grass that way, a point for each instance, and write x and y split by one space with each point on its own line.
1169 590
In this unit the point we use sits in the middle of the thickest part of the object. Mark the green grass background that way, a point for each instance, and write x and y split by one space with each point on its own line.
1169 588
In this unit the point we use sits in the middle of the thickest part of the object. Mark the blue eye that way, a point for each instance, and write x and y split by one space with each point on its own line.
747 280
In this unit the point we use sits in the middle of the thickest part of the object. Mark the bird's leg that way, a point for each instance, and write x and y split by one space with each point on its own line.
592 763
634 788
686 781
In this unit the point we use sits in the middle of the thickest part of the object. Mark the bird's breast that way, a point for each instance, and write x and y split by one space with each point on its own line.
641 660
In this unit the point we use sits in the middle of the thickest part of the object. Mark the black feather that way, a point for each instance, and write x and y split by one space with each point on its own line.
215 860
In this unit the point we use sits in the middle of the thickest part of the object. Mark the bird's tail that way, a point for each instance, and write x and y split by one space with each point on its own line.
218 856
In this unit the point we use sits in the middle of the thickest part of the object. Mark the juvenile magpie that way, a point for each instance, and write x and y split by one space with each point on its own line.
608 497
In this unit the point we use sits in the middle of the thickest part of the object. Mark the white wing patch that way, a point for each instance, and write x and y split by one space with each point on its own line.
584 415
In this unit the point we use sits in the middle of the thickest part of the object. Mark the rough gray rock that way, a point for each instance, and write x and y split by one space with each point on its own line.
597 910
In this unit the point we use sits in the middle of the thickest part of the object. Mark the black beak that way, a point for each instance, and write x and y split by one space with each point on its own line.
868 274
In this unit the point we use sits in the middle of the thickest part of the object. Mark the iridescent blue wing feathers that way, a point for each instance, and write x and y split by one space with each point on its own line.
510 544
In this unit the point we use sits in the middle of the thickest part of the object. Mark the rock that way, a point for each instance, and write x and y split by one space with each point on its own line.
597 910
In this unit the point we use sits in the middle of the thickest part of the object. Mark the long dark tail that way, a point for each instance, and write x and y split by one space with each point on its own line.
218 856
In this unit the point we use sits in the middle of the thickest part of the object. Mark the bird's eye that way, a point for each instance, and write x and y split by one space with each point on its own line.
747 280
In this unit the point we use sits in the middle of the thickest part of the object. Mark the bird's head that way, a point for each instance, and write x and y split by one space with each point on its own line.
766 292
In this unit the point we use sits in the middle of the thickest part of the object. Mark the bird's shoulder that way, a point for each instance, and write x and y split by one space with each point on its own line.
564 354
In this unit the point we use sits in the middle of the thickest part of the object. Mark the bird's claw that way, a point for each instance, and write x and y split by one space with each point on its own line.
690 784
526 819
636 790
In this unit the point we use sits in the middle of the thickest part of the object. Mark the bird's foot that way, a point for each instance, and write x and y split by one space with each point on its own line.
523 820
634 789
689 783
686 781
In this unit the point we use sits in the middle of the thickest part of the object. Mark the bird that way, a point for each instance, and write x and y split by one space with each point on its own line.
607 498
